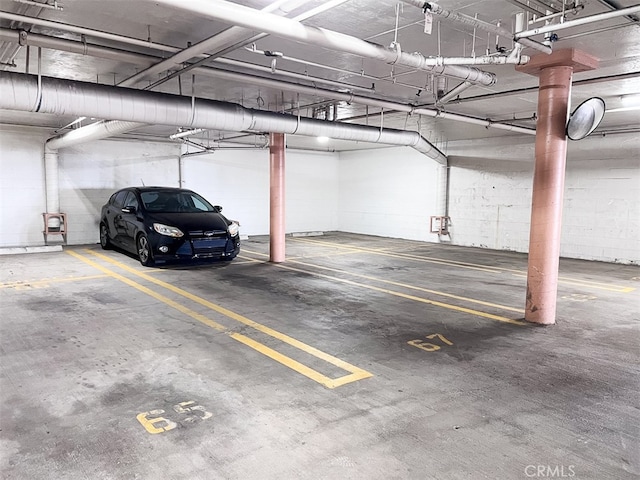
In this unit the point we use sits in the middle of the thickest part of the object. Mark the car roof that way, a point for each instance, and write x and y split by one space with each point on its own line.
158 189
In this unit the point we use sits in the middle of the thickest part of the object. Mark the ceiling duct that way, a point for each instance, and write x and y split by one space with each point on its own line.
65 97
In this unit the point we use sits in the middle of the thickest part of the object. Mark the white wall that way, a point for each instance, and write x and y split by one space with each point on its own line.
390 192
22 197
239 182
88 175
490 202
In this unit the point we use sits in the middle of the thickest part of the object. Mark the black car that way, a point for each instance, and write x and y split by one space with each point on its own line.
164 223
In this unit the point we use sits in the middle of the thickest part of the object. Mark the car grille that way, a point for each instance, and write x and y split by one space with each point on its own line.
208 242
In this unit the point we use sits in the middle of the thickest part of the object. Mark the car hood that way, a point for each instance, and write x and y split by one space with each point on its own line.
191 222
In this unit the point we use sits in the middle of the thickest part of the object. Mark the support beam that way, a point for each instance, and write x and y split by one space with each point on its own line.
555 72
276 197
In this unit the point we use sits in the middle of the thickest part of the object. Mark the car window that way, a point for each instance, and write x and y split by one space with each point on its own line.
131 200
200 204
118 201
175 202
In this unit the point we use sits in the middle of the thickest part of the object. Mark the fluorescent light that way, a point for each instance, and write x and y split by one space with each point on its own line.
323 139
186 133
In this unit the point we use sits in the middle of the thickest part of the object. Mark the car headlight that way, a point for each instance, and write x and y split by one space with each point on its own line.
167 230
234 228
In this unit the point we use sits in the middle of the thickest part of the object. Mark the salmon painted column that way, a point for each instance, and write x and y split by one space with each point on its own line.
276 197
554 97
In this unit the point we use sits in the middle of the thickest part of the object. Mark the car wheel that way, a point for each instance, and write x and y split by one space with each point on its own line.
105 243
144 250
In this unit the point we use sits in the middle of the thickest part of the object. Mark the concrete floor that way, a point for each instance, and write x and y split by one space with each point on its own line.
359 358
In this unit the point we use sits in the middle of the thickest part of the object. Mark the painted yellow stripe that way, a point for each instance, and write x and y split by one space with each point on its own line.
475 266
43 282
588 284
151 293
357 373
409 297
470 266
403 285
412 297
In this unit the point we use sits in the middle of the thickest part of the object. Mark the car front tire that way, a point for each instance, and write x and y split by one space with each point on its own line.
144 251
105 243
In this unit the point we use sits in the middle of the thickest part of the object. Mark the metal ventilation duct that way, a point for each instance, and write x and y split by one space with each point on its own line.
66 97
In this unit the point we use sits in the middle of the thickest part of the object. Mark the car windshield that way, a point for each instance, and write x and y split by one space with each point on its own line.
175 202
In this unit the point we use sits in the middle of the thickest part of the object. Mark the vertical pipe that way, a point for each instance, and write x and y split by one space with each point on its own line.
276 197
52 193
548 188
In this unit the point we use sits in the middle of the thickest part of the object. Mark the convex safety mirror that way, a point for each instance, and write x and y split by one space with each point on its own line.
585 118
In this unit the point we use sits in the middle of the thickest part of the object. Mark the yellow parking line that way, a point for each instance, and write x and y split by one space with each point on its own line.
355 372
409 297
588 284
439 261
45 282
475 266
403 285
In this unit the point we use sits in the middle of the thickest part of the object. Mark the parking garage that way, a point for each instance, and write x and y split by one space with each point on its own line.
432 281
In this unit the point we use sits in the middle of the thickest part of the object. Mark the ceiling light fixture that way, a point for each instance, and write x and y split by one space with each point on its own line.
323 139
186 133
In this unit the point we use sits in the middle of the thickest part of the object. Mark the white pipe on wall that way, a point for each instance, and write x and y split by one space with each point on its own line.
65 97
52 192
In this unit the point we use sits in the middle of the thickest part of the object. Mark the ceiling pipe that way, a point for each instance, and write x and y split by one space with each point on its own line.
85 31
287 28
66 97
453 93
474 22
215 43
432 61
298 76
574 23
106 52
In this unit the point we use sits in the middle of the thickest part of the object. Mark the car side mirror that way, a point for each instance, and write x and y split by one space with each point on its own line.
129 209
217 208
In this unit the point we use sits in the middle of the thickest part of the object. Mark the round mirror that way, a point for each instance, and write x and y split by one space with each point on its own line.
585 118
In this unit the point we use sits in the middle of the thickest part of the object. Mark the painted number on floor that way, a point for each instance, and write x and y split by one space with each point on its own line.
188 412
430 347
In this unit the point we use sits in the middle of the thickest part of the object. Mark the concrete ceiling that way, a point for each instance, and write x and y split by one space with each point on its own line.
615 42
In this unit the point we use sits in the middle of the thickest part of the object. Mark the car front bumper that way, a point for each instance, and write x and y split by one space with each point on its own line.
185 248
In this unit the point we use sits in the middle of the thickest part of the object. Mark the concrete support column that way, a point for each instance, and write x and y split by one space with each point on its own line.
276 197
554 98
548 190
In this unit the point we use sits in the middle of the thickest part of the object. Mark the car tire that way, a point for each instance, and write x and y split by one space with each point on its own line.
105 242
144 251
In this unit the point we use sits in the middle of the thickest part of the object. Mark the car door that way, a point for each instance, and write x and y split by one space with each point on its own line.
113 215
129 220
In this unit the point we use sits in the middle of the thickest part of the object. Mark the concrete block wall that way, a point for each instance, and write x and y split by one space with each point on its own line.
490 201
390 192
